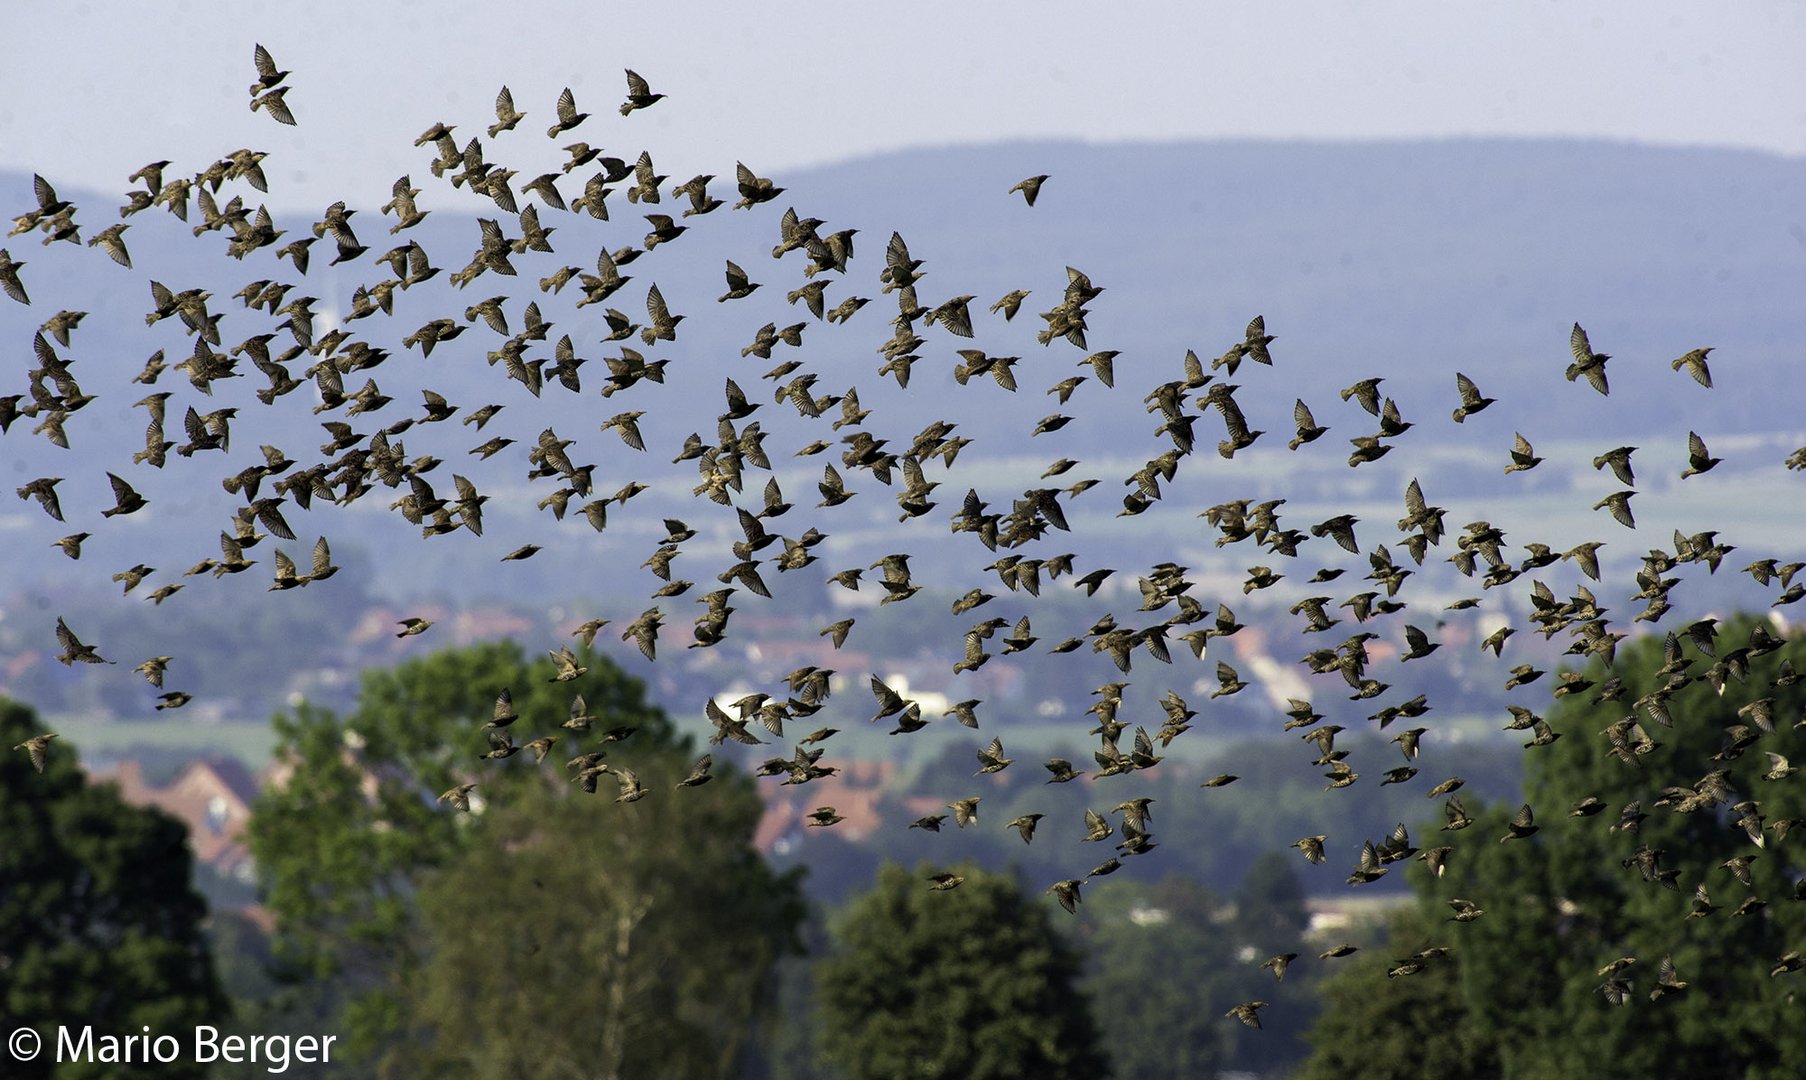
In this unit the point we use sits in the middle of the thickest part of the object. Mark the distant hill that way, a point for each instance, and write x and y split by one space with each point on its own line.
1410 260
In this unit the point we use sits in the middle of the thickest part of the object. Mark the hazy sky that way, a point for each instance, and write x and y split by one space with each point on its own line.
91 91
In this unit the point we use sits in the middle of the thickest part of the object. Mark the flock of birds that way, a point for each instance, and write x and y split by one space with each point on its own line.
365 455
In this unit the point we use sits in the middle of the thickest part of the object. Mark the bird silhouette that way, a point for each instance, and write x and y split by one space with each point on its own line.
639 94
1586 362
74 650
1694 360
1030 188
37 747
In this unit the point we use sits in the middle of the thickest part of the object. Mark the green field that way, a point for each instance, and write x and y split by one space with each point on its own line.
251 743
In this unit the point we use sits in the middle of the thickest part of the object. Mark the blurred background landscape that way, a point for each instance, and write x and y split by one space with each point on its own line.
339 896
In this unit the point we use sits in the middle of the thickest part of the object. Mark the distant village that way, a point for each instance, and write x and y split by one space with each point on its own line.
213 794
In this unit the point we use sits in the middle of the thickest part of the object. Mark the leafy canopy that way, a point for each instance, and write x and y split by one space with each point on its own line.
1521 984
346 841
971 982
99 925
587 939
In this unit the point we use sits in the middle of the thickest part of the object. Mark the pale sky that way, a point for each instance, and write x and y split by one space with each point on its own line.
91 91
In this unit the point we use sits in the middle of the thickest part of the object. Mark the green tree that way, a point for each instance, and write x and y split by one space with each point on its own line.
1167 961
1162 973
1398 1028
1269 905
584 939
1271 919
1571 898
787 1050
973 982
346 840
99 924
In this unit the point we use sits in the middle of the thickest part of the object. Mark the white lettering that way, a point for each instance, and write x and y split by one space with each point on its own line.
70 1050
275 1052
206 1045
276 1047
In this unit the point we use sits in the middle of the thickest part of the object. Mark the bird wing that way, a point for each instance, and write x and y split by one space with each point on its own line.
122 491
1577 342
1301 416
266 64
1470 394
